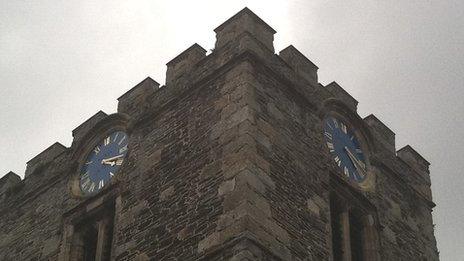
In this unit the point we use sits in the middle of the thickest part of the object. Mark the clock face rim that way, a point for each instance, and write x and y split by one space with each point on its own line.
86 153
367 180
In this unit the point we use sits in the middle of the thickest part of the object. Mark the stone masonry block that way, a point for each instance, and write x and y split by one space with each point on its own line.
234 163
167 193
136 98
245 193
183 64
339 93
249 227
383 133
244 21
8 181
247 177
300 64
44 158
226 187
414 159
79 132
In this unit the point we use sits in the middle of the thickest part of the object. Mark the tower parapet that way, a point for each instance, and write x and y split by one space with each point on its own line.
182 64
230 160
79 132
383 134
300 64
137 97
44 158
7 182
420 165
245 21
339 93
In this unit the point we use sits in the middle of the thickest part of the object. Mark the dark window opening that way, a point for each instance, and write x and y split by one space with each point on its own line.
336 231
92 238
90 243
107 240
353 237
356 238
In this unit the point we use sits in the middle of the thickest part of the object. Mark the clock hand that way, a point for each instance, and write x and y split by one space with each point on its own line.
360 166
111 163
111 159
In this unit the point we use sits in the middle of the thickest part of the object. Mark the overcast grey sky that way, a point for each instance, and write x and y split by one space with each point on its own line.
62 61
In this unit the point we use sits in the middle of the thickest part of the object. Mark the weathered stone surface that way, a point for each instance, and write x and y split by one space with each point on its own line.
167 193
136 98
339 93
245 21
300 64
79 132
383 133
7 182
183 64
43 158
227 162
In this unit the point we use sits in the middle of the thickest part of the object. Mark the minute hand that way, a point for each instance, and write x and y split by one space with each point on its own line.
359 165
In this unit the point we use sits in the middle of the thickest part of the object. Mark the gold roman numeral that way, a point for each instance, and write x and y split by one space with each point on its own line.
119 162
122 139
330 145
343 127
107 141
123 149
338 161
347 172
328 135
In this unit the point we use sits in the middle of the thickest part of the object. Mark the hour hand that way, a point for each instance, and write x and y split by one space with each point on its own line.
359 165
111 161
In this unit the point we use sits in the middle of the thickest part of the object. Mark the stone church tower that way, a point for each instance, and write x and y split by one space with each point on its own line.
242 155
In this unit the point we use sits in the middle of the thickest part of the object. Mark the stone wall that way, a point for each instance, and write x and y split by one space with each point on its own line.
226 162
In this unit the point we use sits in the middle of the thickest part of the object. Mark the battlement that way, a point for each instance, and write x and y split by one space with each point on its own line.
236 139
420 179
136 97
43 158
183 63
384 134
245 21
339 93
300 64
7 182
242 35
415 160
79 132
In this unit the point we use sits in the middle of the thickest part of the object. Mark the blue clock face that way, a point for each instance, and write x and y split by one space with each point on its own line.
103 162
345 149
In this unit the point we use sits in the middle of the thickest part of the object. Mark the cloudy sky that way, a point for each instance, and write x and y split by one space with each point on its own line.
62 61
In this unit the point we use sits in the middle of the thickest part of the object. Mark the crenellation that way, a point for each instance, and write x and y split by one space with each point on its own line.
7 182
134 100
228 161
339 93
300 64
409 155
80 131
182 65
245 21
384 134
44 158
